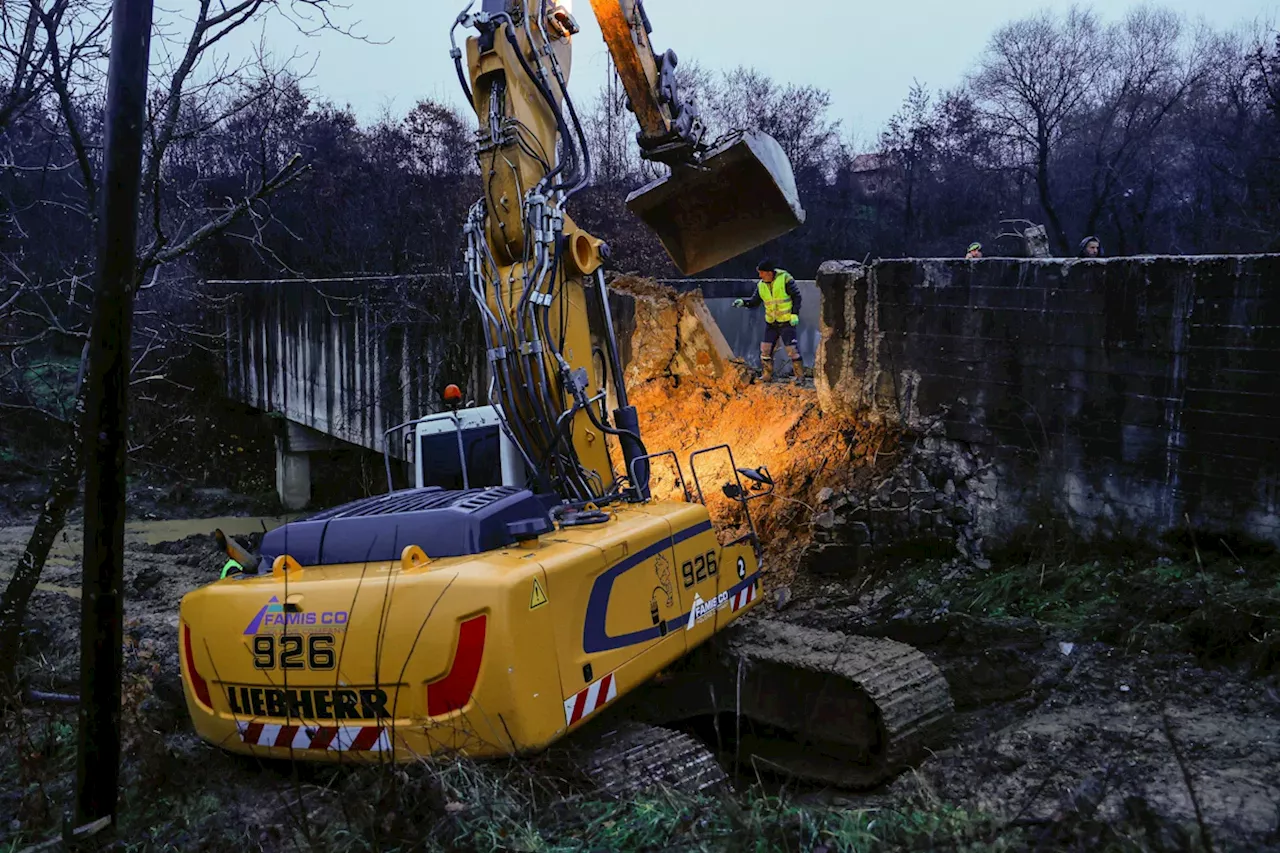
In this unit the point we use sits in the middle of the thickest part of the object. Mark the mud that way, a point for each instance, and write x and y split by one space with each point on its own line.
1082 742
693 395
164 560
1062 737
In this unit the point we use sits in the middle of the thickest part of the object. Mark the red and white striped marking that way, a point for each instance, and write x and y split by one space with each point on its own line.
591 699
745 597
326 738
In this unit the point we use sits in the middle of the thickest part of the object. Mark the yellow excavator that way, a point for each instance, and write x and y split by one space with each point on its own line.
525 595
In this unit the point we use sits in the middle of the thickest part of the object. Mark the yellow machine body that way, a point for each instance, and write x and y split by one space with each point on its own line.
504 648
501 653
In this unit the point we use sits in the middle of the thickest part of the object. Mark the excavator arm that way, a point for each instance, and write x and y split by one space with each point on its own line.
670 130
534 272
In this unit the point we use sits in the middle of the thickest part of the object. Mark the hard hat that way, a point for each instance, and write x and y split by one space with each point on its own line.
975 246
453 394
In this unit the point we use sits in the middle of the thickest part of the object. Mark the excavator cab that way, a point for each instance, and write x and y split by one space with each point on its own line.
466 449
738 196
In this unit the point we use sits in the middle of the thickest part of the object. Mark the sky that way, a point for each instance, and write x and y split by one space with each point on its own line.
866 54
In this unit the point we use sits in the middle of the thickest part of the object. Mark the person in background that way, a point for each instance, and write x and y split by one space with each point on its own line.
1090 247
975 252
778 293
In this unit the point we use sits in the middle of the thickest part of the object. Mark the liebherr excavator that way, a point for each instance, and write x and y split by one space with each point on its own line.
525 595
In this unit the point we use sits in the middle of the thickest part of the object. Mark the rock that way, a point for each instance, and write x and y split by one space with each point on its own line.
924 499
826 495
825 520
703 350
832 559
900 499
858 533
146 580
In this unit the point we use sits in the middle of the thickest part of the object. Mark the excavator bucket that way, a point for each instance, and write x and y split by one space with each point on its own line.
742 195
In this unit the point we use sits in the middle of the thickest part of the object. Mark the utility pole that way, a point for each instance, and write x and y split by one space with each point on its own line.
105 427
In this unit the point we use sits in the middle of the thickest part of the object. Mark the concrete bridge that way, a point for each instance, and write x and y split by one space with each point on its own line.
341 361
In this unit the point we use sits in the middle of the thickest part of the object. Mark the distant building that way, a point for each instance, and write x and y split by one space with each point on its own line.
872 174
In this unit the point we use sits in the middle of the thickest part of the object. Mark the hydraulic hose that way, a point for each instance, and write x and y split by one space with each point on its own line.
615 360
546 93
475 274
535 361
506 383
584 177
456 52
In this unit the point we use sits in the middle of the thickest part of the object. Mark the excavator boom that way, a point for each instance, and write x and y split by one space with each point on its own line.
533 270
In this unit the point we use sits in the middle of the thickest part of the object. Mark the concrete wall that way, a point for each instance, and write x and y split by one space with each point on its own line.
1124 396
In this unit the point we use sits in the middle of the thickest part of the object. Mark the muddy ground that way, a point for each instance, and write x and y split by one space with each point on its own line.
165 560
1061 740
1156 733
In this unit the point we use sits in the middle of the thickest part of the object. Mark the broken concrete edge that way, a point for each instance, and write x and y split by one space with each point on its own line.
700 349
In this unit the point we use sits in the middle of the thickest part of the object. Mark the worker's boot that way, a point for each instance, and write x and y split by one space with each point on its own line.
797 364
766 362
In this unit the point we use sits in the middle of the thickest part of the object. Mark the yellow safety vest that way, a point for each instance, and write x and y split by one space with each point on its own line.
777 302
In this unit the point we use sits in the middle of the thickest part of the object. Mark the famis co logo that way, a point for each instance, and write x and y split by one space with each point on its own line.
274 615
704 610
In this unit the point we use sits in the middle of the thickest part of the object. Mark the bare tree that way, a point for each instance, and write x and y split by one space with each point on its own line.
910 141
1034 78
797 116
1151 67
610 133
27 50
184 105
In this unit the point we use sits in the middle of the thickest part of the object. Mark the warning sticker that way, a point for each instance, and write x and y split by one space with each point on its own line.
539 596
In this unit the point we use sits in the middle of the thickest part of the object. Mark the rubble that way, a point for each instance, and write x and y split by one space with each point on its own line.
938 496
693 394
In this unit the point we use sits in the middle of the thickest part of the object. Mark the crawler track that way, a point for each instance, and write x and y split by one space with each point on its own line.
855 710
623 759
821 706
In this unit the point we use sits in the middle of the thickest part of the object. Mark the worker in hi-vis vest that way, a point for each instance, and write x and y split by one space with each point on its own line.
778 293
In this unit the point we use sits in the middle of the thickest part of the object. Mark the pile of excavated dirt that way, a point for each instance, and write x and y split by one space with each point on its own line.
693 394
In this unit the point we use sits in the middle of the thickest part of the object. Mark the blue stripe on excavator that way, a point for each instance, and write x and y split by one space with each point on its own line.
595 634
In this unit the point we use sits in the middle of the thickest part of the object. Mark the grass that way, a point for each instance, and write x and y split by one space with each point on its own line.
1222 607
177 796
